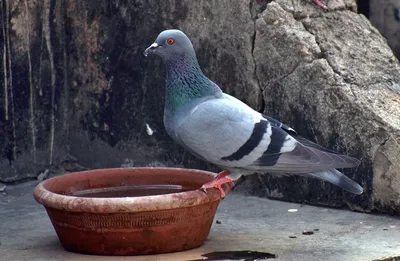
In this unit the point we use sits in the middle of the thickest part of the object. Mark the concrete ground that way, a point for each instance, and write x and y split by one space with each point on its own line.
244 223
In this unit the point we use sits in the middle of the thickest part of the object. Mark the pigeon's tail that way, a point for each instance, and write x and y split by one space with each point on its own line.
339 179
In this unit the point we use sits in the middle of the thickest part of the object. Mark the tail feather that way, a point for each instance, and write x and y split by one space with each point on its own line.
339 179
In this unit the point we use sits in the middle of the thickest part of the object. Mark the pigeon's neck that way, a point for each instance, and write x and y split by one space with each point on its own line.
186 82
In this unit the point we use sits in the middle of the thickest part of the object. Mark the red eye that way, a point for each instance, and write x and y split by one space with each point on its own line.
170 41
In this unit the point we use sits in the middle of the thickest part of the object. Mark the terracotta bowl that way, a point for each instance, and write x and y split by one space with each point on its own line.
117 224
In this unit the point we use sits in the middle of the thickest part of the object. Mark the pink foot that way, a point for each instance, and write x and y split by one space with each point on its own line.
320 5
218 181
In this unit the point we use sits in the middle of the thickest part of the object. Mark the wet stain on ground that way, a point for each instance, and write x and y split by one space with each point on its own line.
236 255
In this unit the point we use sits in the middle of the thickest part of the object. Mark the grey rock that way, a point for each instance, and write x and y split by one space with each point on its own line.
330 82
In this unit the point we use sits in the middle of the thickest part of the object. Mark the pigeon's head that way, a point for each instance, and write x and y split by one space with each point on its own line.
169 44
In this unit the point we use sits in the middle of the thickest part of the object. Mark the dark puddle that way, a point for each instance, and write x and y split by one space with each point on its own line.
236 255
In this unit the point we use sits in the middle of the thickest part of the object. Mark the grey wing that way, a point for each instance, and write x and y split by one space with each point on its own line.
217 128
305 156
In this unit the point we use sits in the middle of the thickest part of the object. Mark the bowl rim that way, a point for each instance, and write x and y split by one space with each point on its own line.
125 204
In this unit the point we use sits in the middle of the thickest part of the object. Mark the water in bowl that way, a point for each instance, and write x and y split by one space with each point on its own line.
130 191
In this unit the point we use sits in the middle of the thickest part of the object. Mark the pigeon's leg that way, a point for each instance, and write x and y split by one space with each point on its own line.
223 174
218 181
320 5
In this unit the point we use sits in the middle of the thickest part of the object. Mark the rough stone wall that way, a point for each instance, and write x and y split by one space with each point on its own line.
75 74
334 79
79 86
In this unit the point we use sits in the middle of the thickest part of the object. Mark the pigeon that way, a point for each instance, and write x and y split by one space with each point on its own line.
223 130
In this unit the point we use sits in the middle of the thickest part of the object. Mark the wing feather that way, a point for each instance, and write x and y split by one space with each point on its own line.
306 157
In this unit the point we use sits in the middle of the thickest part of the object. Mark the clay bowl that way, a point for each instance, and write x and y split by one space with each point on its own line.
124 211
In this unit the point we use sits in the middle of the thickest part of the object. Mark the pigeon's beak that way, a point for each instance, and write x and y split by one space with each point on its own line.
150 49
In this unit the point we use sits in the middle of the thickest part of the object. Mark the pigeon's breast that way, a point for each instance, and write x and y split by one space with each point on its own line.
174 118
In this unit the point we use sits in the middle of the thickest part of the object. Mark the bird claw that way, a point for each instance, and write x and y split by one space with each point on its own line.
219 180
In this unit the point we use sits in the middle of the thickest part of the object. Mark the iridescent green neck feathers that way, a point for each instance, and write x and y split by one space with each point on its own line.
186 82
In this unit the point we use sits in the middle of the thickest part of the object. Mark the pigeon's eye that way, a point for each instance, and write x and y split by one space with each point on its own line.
170 41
